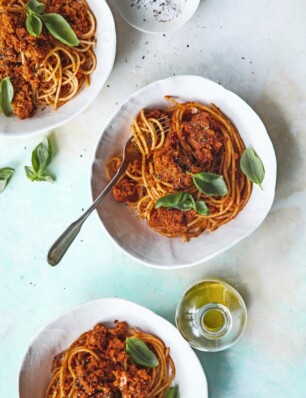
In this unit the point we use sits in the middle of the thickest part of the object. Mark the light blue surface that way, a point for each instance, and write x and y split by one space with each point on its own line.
255 49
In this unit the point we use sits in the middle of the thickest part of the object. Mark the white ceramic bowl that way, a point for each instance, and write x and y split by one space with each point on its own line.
35 372
49 119
143 18
133 236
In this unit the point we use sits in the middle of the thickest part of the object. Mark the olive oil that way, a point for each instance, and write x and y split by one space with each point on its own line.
211 315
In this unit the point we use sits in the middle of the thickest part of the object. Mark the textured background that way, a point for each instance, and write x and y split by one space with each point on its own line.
257 50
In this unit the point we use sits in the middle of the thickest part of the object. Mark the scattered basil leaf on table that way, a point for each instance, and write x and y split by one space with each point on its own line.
33 25
41 158
141 353
55 24
252 166
30 173
172 392
6 96
210 184
5 174
183 201
34 7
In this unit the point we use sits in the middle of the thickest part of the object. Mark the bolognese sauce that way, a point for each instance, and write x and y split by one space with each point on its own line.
42 70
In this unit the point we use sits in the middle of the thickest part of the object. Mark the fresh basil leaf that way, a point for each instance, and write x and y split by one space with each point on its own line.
34 7
180 201
33 176
201 208
5 174
186 206
44 177
172 392
41 156
186 202
60 29
30 173
141 353
183 201
210 184
33 25
252 166
6 96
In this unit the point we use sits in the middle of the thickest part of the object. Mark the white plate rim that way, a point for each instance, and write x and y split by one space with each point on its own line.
223 249
107 72
105 301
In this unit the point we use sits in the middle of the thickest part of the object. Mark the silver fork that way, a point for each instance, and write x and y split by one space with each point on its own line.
61 245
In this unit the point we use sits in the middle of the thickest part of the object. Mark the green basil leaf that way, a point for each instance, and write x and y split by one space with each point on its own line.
172 392
41 156
6 96
181 201
210 184
169 200
30 173
5 174
33 25
44 177
141 353
33 176
60 29
186 206
186 202
252 166
201 208
34 7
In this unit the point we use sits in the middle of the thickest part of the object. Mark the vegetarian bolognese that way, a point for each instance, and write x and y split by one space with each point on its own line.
188 177
112 362
46 51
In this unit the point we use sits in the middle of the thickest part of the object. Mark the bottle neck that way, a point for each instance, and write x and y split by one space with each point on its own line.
214 321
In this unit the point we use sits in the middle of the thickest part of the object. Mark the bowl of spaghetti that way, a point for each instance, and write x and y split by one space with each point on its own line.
89 352
53 78
186 128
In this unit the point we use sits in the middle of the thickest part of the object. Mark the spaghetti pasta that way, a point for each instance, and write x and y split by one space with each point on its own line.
97 364
195 138
44 71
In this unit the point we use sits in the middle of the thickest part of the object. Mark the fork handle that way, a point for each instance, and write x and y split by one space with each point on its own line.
62 244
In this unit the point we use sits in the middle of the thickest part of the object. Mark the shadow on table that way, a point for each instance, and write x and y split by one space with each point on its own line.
217 367
128 38
288 153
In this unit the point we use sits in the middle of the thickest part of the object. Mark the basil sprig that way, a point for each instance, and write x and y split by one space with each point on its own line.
55 24
60 29
34 7
33 25
210 184
141 353
41 158
172 392
183 201
5 174
6 96
252 166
